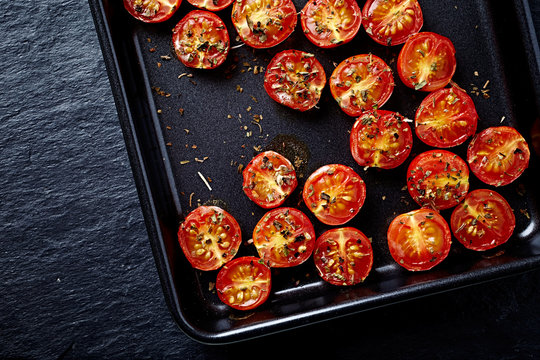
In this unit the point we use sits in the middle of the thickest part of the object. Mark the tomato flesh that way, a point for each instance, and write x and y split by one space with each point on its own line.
211 5
152 11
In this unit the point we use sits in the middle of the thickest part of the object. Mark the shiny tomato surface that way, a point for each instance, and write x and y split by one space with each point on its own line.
211 5
152 11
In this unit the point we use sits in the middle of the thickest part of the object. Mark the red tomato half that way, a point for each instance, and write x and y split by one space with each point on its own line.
391 22
244 283
419 240
152 11
381 139
483 221
284 237
268 179
427 61
343 256
329 23
498 155
438 179
446 118
361 83
334 193
295 79
211 5
264 23
209 237
201 40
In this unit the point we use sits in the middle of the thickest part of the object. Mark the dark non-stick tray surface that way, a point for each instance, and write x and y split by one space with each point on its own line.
219 119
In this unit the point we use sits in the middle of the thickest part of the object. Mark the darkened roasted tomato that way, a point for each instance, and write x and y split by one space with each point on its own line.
427 61
334 193
329 23
343 256
284 237
264 23
152 11
483 220
498 155
361 83
201 40
211 5
295 79
419 240
209 237
381 139
438 179
244 283
446 118
268 179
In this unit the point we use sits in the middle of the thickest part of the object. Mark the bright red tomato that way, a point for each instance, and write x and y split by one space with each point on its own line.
201 40
295 79
427 61
483 221
419 240
391 22
438 179
446 118
498 155
152 11
329 23
211 5
361 83
268 179
334 193
209 237
284 237
264 23
244 283
381 139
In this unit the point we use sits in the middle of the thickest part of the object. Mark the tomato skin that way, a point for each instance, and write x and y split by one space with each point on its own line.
284 237
295 79
280 21
446 118
407 14
380 138
360 83
438 179
498 155
427 61
483 221
330 23
343 256
334 194
419 240
211 5
244 283
152 11
209 237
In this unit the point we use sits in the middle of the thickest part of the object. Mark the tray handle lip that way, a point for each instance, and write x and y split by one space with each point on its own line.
531 39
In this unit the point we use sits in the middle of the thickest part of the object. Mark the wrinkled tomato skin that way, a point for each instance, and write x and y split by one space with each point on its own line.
483 221
152 11
211 5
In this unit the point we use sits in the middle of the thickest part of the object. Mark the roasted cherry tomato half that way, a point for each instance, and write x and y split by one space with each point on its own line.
244 283
343 256
334 193
295 79
483 220
152 11
264 23
446 118
419 240
209 237
211 5
438 179
284 237
201 40
329 23
381 139
391 22
427 61
498 155
361 83
268 179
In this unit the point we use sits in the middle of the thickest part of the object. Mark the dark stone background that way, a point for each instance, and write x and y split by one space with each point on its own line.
77 276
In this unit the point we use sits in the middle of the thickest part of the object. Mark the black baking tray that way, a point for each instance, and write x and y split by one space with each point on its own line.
170 114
